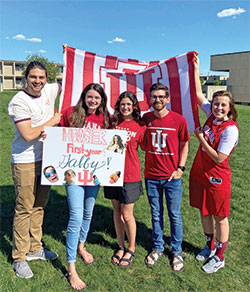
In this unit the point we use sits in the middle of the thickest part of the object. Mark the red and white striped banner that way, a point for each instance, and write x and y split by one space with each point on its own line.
117 75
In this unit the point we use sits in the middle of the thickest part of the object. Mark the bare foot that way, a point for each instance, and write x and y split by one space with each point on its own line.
75 282
86 256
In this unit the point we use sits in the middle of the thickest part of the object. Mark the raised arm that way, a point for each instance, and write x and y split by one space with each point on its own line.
200 95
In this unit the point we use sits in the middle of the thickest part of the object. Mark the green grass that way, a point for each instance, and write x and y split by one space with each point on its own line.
102 275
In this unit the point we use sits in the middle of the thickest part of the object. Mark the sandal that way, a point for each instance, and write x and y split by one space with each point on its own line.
178 259
129 260
155 255
115 255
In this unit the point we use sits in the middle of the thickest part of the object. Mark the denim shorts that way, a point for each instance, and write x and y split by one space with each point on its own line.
129 193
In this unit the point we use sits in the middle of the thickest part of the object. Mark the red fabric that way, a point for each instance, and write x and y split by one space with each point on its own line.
220 248
161 144
204 168
209 200
66 102
117 74
135 132
210 240
92 121
210 182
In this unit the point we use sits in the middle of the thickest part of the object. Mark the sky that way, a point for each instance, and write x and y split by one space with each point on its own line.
147 30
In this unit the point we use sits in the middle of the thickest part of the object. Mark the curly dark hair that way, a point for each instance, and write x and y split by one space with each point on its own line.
78 116
117 116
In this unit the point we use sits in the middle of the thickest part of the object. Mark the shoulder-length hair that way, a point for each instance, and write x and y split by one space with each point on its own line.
78 116
232 114
117 116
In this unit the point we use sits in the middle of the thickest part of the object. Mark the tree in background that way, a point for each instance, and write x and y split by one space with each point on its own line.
202 81
52 68
217 82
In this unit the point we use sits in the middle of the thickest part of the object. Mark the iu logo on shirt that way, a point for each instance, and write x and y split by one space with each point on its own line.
159 140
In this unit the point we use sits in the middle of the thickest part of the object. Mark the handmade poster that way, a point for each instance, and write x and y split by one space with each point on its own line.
83 156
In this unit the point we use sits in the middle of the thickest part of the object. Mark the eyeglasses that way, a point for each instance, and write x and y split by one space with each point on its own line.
161 97
48 174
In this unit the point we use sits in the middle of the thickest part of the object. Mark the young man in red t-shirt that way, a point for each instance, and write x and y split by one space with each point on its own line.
166 146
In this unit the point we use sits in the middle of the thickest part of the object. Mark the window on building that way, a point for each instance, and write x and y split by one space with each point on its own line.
19 81
19 67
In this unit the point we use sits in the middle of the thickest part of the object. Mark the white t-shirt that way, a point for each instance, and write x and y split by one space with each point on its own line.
229 137
39 110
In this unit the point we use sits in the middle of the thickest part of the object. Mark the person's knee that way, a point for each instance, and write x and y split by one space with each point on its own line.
174 215
75 222
87 215
128 217
221 220
117 210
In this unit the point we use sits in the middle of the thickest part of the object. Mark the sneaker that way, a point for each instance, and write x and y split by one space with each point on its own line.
43 254
22 269
205 254
213 265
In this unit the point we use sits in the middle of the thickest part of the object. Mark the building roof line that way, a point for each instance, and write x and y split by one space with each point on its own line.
243 52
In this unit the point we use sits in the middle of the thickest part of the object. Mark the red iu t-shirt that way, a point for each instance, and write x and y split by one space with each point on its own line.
135 132
161 143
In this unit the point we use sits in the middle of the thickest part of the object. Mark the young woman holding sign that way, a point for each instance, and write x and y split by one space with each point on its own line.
210 175
90 111
127 117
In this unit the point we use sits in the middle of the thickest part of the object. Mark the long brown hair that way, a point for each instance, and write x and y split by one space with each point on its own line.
78 116
232 114
117 116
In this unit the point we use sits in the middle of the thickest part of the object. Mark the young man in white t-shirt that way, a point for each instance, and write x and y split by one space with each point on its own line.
30 110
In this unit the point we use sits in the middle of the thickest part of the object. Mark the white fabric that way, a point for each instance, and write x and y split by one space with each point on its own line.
37 109
117 75
229 137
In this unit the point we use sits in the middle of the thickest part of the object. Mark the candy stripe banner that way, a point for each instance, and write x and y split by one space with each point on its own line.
83 156
117 75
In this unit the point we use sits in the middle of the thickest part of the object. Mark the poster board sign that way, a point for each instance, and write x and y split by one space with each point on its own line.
83 156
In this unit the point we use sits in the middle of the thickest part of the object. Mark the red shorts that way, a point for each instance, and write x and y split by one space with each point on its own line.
209 201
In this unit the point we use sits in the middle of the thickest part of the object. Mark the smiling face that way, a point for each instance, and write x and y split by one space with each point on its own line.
221 107
126 108
92 100
51 175
159 100
36 80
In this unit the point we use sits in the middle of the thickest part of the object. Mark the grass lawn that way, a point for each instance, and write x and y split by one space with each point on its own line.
102 275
